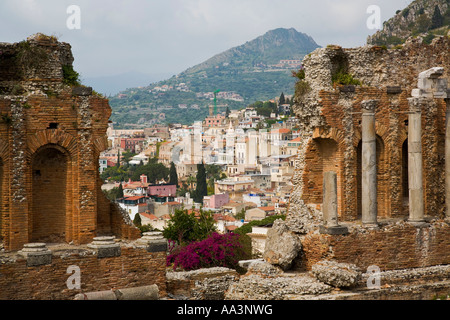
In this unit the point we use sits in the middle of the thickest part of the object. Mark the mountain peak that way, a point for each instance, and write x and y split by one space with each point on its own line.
270 48
260 69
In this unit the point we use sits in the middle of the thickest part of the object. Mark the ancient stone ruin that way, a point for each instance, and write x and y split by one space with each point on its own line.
371 187
51 134
368 216
59 235
373 178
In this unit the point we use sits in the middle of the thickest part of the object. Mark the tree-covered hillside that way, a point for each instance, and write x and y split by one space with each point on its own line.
243 74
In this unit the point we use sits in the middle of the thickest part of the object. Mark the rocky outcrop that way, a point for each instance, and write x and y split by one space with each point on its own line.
415 19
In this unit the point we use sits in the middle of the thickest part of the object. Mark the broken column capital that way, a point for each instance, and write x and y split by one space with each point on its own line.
415 103
432 73
431 84
369 105
153 241
37 254
105 246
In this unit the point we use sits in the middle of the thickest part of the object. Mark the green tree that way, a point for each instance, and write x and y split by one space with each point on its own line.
153 170
111 194
202 187
184 227
127 155
120 191
437 20
282 100
115 174
240 215
173 176
137 220
118 159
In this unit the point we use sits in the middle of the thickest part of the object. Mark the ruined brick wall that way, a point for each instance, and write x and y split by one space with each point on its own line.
398 246
331 115
330 120
133 268
51 135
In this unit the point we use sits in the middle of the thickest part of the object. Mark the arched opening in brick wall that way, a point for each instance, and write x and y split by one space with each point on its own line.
323 155
382 179
49 194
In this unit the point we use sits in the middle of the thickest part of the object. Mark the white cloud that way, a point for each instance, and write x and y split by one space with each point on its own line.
171 35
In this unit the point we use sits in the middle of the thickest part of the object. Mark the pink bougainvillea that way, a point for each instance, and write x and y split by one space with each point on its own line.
218 250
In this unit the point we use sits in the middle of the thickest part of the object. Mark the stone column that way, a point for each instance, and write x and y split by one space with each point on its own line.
330 206
415 180
447 159
369 163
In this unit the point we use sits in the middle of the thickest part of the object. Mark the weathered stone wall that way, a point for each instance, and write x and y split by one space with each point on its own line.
134 267
202 284
331 122
393 246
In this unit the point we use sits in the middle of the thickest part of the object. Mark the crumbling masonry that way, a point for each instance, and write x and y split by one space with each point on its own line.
385 142
51 135
54 218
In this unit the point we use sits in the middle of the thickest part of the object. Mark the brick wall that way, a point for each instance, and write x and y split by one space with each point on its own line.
51 135
133 268
397 246
330 116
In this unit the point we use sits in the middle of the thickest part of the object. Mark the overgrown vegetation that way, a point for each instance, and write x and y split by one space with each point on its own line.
185 227
70 76
153 170
344 78
302 87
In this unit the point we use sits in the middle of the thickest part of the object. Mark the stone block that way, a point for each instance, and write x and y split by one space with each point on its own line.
37 254
157 246
100 295
153 242
336 230
393 89
39 259
347 88
282 245
432 73
105 247
416 93
340 275
108 251
81 91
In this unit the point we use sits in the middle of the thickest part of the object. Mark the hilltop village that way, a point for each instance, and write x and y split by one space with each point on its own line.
252 155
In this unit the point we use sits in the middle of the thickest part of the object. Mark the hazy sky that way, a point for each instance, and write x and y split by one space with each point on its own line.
168 36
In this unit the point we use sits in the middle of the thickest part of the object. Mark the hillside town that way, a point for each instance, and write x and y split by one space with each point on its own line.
254 154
